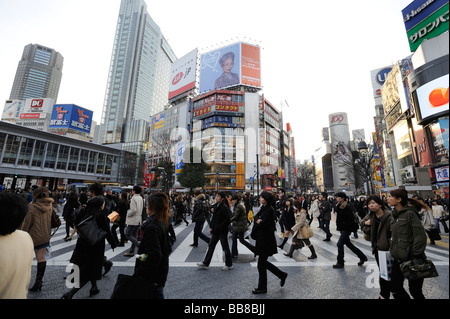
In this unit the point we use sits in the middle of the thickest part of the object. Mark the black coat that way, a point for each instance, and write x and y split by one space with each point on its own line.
89 258
155 243
345 220
264 232
221 219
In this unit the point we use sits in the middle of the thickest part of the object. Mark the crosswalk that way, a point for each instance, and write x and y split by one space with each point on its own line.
183 255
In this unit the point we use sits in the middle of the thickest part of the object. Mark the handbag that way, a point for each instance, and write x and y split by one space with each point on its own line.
90 231
433 233
133 287
307 232
55 222
418 269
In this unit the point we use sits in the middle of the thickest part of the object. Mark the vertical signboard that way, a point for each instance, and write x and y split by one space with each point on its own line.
182 75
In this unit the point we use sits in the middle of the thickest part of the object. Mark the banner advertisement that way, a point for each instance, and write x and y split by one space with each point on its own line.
182 74
71 116
236 64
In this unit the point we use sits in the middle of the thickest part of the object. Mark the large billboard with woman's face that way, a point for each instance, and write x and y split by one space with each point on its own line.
236 64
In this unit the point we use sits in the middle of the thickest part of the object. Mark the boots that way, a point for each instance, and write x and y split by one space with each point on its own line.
283 243
39 275
313 252
70 294
291 251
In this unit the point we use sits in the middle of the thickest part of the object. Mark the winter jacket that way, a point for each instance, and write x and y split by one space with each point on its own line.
240 218
300 222
325 210
379 237
134 214
38 221
198 214
264 232
155 243
220 219
344 217
409 239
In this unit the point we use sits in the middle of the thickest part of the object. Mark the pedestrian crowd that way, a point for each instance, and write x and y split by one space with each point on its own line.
396 226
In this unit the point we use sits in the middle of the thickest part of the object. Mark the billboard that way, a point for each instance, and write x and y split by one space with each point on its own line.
182 74
71 116
378 77
433 97
425 19
159 121
12 109
236 64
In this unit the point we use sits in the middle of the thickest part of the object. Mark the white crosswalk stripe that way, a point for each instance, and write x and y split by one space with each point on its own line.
183 253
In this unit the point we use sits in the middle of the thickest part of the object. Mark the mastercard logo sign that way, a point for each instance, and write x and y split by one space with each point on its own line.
438 97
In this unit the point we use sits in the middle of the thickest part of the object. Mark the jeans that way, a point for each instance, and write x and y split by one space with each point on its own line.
240 236
215 238
325 225
344 239
131 233
198 228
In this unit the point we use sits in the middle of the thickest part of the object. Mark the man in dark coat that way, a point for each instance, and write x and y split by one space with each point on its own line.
345 223
219 231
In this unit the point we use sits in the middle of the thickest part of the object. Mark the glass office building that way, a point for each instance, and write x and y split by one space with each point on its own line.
138 82
38 75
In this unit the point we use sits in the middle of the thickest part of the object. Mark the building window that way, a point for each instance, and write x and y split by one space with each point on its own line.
50 158
11 149
39 151
63 157
26 150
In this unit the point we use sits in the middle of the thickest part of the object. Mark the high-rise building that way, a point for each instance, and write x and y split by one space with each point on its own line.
138 77
38 75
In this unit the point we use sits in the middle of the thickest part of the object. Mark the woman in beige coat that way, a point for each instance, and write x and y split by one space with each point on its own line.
298 241
38 223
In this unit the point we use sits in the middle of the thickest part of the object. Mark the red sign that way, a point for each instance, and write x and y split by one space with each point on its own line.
30 115
37 103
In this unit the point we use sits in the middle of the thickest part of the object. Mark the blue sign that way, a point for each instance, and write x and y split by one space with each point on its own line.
418 10
71 116
382 75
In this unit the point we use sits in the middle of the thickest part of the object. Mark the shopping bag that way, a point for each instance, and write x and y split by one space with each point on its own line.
113 216
385 259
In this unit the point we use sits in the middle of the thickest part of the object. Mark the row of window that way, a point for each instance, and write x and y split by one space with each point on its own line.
22 151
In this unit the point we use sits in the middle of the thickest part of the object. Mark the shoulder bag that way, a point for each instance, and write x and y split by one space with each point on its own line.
89 230
418 269
307 232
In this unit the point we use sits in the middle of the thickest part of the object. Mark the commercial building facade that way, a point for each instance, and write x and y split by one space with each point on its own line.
38 74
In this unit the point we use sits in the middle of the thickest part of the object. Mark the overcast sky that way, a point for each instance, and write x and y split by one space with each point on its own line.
316 55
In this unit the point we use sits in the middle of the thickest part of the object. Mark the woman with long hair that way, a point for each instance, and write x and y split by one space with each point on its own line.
378 220
263 233
298 240
155 248
38 223
409 241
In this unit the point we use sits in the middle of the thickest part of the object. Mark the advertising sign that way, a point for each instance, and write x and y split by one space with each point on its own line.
433 97
71 116
434 22
12 109
182 74
418 10
441 174
232 65
378 77
159 121
251 65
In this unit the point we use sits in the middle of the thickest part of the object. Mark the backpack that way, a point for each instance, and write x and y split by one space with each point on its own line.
206 208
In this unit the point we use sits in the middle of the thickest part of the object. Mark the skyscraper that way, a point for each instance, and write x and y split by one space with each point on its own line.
39 74
138 83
